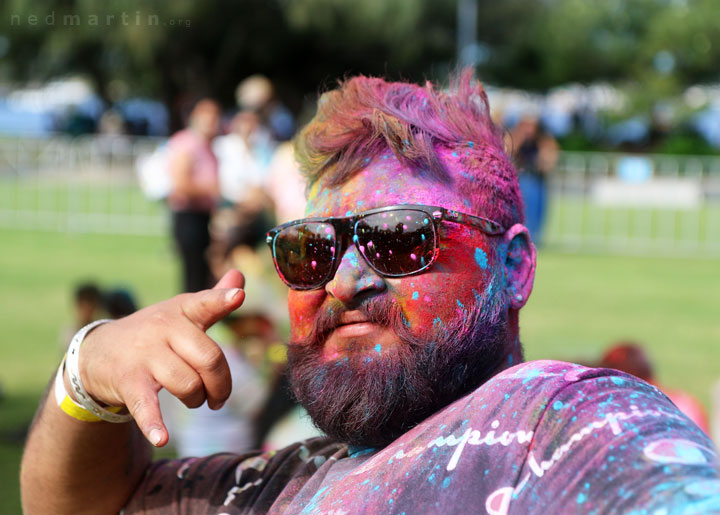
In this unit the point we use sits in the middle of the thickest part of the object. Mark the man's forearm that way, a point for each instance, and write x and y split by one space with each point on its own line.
71 466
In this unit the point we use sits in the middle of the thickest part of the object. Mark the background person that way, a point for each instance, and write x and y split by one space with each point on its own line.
119 302
87 306
535 154
256 93
242 160
194 192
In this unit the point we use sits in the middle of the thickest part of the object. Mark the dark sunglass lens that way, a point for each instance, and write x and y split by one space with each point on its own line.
397 242
305 253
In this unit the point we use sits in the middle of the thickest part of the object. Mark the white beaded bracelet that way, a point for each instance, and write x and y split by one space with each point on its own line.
73 370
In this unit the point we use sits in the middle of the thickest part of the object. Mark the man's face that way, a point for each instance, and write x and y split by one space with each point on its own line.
363 330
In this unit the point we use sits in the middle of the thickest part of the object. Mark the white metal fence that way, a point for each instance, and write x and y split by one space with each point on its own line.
654 204
650 204
76 184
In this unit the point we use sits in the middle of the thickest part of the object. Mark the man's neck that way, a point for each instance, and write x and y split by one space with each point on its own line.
515 350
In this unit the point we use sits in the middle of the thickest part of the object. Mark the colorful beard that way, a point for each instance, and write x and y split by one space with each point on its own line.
373 401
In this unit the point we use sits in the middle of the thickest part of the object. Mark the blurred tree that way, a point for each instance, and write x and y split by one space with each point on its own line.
180 50
185 49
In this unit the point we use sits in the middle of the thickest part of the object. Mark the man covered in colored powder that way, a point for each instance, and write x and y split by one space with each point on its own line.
406 281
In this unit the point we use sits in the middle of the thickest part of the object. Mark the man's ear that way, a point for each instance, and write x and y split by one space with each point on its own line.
520 261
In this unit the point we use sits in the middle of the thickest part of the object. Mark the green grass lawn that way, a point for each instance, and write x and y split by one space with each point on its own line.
580 304
38 271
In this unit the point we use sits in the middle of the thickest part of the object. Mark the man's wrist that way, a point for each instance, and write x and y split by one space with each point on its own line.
76 384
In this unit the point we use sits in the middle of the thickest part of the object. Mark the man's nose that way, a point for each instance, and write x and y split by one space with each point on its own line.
353 278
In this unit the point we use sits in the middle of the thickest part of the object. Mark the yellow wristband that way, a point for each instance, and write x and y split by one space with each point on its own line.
68 405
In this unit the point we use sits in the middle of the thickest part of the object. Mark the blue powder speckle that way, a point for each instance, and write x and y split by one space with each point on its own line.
481 258
532 374
431 479
581 498
415 295
617 380
446 482
460 304
355 451
378 348
557 405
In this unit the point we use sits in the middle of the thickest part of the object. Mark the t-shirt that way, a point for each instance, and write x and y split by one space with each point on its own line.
204 171
540 437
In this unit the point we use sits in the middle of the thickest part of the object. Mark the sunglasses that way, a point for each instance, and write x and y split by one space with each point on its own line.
395 241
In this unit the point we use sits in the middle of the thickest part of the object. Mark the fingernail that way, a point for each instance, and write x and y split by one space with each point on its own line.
219 406
155 437
231 294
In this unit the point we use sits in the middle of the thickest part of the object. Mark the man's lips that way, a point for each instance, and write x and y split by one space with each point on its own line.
354 324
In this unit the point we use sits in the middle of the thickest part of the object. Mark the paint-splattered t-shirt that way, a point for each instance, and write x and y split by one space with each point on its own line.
541 437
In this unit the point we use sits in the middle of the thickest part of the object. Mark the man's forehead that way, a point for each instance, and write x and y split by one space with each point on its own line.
384 182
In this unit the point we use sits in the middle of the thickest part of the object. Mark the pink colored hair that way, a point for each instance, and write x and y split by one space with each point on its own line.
365 116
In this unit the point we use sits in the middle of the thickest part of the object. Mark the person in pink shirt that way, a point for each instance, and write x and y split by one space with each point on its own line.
194 192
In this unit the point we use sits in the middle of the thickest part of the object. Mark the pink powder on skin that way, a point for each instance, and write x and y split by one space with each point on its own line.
454 274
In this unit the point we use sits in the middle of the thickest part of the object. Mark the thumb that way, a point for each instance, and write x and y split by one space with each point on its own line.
207 307
232 279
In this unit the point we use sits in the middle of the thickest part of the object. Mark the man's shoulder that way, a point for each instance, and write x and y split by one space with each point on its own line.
518 397
544 379
550 371
547 377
